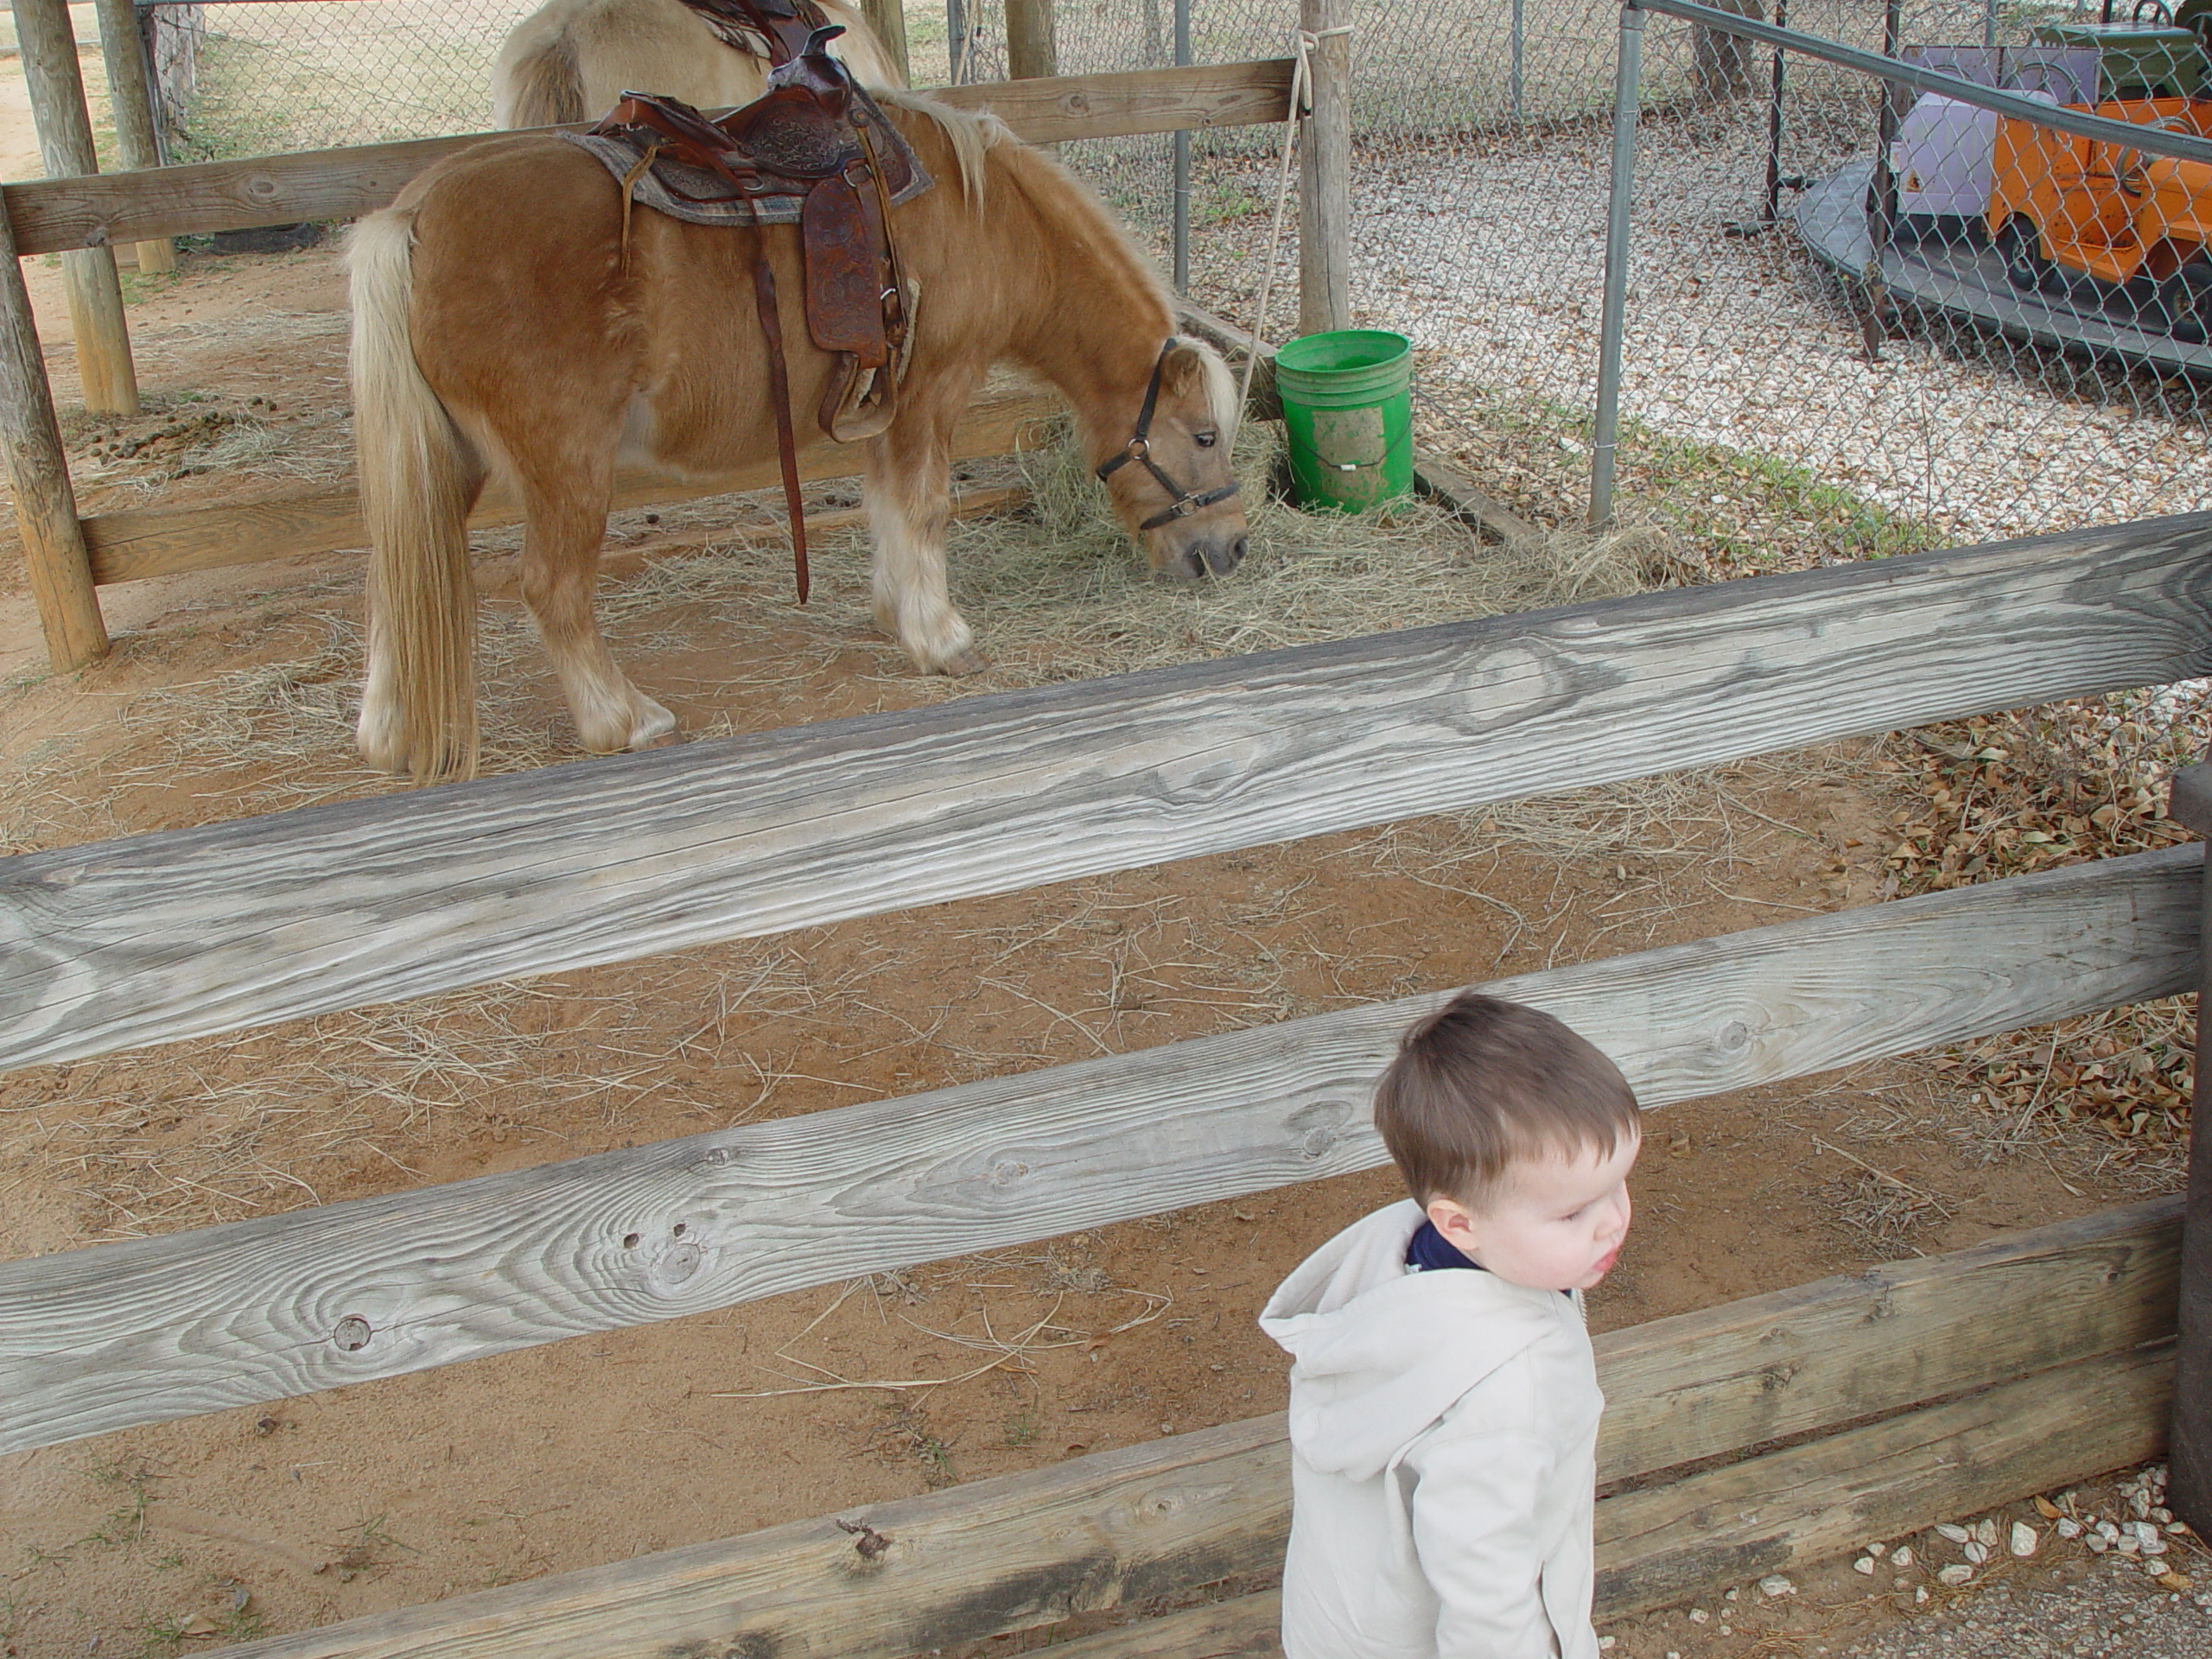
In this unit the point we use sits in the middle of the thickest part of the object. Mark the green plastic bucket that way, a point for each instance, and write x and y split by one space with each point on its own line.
1347 408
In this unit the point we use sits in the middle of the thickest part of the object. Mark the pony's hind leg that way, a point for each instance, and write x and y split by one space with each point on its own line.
565 521
908 496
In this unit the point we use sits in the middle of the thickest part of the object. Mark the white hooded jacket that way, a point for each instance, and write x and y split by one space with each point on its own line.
1443 1430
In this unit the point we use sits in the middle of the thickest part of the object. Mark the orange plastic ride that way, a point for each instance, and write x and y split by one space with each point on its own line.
2068 213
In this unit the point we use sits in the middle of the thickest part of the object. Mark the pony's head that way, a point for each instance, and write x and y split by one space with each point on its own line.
1169 469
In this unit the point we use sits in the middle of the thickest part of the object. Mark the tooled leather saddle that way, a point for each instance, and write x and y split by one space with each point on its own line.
816 150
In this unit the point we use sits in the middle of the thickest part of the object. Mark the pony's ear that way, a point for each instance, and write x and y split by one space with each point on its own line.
1183 368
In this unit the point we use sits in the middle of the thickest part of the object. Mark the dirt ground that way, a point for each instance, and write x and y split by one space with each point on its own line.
226 695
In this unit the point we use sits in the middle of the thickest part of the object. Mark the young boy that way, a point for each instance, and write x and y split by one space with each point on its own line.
1444 1402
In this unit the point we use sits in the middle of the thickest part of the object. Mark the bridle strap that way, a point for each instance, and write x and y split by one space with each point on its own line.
1182 503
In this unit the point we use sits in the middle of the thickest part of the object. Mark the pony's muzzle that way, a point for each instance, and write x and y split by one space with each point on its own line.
1209 557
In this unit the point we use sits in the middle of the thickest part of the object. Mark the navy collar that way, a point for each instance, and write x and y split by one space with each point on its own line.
1426 1251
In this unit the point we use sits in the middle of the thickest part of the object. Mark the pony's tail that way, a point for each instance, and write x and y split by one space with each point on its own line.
538 83
419 478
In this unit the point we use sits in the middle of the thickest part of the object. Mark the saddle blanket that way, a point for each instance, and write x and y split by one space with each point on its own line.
698 197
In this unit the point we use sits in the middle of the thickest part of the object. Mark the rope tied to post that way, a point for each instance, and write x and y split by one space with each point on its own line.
1304 44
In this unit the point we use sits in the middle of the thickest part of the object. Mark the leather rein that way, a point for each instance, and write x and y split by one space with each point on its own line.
1182 503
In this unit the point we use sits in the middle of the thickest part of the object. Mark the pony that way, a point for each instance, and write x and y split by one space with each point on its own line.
501 324
572 60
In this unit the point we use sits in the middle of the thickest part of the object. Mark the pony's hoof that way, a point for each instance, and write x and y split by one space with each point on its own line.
654 727
382 751
964 662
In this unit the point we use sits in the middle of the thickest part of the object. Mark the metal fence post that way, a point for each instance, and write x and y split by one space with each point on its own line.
2188 1453
1882 190
1182 161
1774 118
1626 85
1517 80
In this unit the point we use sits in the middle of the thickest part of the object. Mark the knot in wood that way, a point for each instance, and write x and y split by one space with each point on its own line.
352 1334
867 1540
1315 1128
1007 1171
721 1157
1735 1035
679 1263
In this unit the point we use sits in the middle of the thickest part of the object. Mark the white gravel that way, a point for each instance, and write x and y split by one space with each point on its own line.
2101 1617
1495 262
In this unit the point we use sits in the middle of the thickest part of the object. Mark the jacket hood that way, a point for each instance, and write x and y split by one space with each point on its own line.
1382 1353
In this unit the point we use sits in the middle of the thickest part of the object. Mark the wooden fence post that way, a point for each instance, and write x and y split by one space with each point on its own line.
65 141
1030 50
132 101
1325 174
1721 64
2189 1456
171 35
888 19
46 506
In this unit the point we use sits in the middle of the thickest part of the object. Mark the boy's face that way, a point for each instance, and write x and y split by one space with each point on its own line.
1557 1223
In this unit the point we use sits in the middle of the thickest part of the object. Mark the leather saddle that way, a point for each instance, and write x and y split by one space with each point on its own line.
818 142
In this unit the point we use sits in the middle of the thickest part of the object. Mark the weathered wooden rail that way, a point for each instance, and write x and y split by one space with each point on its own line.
105 1338
98 210
136 543
193 931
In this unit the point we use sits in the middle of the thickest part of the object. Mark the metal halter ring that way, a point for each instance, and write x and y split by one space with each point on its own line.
1184 502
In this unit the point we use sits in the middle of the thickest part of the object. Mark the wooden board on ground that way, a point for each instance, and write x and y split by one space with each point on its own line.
53 215
189 932
1115 1528
130 545
1764 1516
1442 482
1769 1514
149 1330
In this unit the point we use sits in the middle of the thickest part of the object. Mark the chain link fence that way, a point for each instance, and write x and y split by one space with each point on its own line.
1775 401
1819 283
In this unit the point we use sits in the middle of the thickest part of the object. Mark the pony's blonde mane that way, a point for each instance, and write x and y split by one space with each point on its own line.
1221 383
971 135
974 136
1078 203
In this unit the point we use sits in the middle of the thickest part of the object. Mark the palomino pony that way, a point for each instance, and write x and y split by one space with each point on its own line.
501 325
571 61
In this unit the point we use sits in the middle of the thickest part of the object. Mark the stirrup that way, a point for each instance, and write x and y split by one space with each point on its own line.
857 406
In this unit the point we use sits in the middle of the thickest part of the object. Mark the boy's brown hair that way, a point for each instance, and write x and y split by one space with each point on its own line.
1482 1084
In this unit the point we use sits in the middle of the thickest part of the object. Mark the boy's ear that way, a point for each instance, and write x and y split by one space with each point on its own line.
1456 1222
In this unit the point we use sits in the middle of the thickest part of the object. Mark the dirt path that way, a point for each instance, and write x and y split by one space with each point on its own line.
229 695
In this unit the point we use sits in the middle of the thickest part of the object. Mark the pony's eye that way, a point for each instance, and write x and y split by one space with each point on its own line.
1207 440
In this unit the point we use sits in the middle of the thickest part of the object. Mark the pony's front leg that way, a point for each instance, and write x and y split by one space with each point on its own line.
565 523
908 495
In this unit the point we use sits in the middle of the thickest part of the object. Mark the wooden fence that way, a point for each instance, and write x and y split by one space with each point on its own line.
2047 1356
1918 1391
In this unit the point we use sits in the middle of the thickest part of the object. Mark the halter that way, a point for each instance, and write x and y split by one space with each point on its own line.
1139 447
